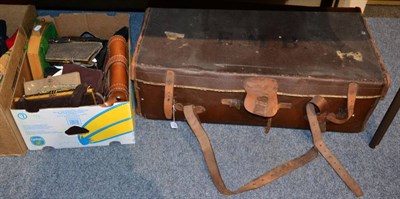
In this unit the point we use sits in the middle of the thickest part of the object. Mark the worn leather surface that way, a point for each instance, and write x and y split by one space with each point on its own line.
293 43
73 52
306 53
152 107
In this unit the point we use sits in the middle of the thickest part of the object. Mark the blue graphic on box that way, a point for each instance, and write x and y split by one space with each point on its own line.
74 122
72 117
37 140
22 116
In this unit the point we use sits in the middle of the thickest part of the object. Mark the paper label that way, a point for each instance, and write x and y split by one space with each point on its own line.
174 125
37 28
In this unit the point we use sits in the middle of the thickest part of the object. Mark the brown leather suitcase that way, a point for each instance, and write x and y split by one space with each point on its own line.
293 68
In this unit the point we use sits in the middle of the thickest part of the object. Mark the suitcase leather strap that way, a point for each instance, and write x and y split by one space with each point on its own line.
351 100
279 171
213 168
319 102
169 94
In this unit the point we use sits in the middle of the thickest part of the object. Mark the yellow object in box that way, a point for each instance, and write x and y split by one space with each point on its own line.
3 64
37 47
118 119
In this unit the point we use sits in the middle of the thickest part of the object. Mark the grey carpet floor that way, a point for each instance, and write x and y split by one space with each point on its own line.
167 163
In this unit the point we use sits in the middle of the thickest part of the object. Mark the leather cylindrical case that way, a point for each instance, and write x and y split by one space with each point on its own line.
117 69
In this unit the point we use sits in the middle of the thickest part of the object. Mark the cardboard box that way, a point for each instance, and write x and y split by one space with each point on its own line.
21 18
105 124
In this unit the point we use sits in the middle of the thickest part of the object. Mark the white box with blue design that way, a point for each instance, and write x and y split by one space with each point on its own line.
47 127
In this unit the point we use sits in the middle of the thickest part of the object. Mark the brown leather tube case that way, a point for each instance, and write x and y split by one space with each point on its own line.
116 70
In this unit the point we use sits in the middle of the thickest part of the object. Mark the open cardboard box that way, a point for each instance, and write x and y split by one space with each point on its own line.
21 18
47 127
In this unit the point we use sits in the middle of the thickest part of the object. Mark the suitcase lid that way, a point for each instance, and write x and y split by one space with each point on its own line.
299 44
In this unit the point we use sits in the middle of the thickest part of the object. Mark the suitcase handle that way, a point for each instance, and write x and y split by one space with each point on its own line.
317 103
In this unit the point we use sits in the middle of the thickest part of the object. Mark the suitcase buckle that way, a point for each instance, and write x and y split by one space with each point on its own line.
261 96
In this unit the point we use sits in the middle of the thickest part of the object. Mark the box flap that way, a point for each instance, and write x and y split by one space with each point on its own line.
17 16
99 24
